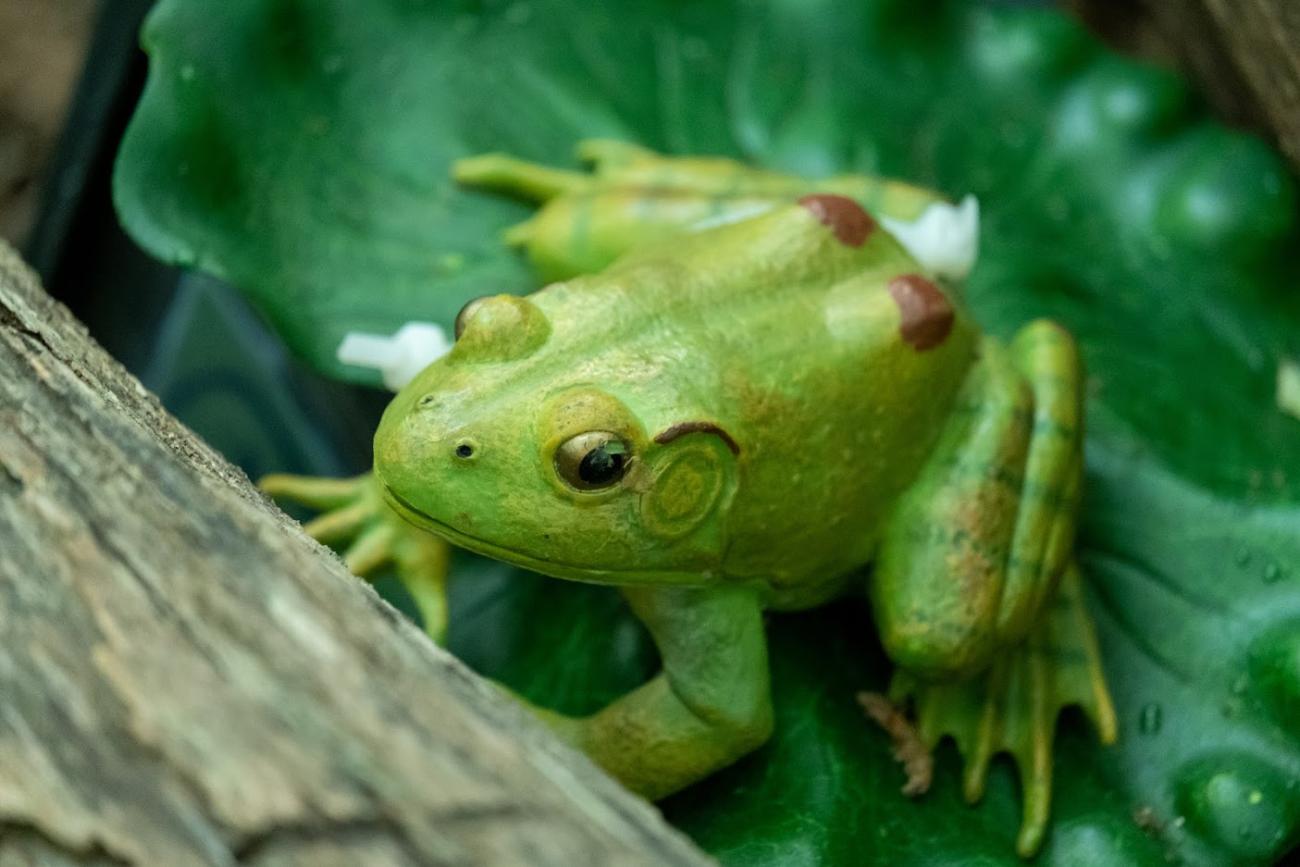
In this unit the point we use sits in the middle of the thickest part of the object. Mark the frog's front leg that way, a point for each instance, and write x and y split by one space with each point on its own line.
965 585
355 518
709 705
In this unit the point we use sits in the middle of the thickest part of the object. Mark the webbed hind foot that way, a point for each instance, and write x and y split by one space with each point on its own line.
1013 706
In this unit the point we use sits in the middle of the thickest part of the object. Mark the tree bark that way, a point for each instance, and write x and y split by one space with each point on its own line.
186 678
1243 54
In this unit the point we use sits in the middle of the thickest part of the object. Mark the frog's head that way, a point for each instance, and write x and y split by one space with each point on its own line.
532 451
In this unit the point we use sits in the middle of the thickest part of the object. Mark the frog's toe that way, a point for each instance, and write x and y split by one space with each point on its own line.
339 525
506 174
312 491
1013 706
1036 789
422 562
372 549
520 234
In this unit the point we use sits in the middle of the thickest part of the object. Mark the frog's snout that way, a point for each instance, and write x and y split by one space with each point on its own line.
415 444
426 446
423 425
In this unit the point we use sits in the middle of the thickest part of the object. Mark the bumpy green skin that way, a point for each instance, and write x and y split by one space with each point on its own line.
799 400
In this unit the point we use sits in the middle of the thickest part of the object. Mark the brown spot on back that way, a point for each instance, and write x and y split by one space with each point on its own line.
682 428
927 315
845 217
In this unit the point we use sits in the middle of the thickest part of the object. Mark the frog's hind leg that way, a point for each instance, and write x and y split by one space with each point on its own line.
1013 706
1026 647
632 198
1046 357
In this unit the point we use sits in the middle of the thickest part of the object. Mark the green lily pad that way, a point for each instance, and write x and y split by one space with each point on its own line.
300 151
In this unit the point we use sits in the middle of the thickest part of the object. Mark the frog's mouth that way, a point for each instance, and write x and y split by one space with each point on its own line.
426 521
568 571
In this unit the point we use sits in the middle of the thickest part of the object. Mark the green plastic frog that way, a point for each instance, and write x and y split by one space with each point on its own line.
745 395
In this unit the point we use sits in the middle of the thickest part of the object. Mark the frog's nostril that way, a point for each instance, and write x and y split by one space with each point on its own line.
427 401
465 450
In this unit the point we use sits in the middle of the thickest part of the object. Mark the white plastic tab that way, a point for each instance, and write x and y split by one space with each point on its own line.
944 239
400 357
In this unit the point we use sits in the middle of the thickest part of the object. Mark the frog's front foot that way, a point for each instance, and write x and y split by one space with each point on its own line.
709 705
1013 706
355 518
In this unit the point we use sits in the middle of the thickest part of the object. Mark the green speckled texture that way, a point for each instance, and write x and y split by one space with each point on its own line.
301 151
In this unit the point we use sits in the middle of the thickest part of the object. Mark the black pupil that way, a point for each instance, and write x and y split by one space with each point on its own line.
602 465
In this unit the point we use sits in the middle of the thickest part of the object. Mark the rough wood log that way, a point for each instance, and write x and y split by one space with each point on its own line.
186 678
1243 54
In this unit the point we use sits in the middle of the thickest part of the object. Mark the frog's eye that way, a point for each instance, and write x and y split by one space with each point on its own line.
591 461
466 313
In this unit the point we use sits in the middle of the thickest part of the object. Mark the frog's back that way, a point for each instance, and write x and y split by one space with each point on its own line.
810 337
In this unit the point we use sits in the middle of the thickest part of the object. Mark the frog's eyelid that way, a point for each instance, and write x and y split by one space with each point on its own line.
682 428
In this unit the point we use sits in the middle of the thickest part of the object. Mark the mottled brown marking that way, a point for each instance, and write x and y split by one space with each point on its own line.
927 315
909 749
682 428
845 217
